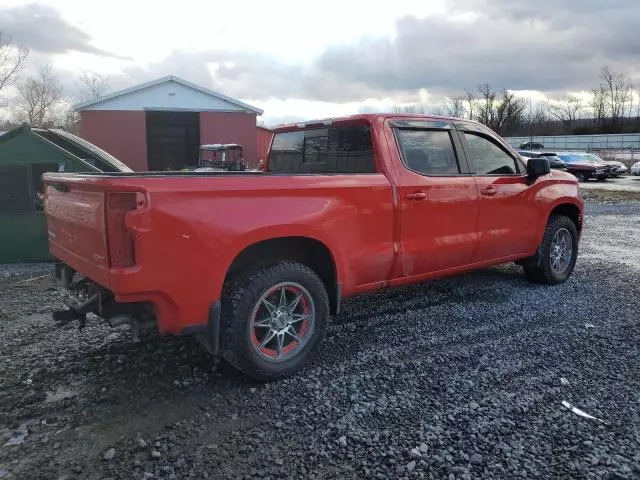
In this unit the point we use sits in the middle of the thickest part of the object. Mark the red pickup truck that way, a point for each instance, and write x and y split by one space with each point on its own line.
255 262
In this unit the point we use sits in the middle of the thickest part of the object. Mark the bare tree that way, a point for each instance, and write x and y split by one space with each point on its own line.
454 107
538 116
500 113
470 100
509 113
568 110
618 92
598 103
440 110
93 85
486 105
409 108
38 97
71 121
12 59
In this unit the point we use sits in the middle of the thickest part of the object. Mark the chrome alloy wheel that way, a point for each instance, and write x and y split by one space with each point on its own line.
561 251
282 322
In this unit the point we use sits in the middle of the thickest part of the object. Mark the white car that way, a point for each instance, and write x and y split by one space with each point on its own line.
635 168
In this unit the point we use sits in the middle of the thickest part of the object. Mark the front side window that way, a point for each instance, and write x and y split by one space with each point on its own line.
428 152
336 149
487 158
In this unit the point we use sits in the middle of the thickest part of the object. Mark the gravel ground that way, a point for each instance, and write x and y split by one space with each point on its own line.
458 379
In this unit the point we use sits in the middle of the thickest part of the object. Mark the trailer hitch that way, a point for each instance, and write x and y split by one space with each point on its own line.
63 317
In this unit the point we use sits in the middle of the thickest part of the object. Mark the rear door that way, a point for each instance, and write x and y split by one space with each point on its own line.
507 211
438 197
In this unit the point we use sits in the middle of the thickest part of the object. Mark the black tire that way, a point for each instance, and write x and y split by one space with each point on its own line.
581 176
538 268
241 296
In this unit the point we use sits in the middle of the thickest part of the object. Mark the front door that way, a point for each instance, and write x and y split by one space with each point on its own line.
508 214
438 200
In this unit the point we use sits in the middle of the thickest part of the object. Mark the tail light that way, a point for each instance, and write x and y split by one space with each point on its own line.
119 238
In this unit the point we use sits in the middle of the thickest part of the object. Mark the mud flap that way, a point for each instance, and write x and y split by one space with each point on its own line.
208 335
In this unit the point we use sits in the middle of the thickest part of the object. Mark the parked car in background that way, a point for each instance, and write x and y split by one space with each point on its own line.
531 146
584 168
618 168
635 168
554 161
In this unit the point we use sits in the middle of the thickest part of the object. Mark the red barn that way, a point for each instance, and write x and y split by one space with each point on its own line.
264 142
160 125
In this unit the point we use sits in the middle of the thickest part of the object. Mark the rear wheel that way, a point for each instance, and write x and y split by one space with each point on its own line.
557 253
273 319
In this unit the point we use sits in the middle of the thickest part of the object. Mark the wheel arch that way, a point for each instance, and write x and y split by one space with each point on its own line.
570 210
306 250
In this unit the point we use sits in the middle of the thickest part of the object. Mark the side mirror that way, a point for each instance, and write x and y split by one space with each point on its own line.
537 167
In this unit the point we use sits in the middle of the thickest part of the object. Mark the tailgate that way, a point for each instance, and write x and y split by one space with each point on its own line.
77 228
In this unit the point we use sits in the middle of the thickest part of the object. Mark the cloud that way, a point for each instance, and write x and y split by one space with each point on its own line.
44 30
548 46
512 44
448 54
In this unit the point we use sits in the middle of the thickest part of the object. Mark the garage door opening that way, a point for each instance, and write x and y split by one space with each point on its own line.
173 140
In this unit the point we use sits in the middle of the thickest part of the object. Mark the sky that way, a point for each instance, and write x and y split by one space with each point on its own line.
307 60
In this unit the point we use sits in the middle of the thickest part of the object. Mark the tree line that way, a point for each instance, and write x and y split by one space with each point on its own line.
40 99
614 107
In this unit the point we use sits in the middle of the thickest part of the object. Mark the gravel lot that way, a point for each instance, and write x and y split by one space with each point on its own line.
461 378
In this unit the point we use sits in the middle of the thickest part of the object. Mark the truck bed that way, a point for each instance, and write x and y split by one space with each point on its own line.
170 237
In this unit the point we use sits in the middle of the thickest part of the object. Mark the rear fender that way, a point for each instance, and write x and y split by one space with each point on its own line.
273 232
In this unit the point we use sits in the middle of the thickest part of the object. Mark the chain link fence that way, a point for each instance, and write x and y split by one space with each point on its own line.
621 147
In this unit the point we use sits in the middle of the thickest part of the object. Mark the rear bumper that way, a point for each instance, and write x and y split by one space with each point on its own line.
83 295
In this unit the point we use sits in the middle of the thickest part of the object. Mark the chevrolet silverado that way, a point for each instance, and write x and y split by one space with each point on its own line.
254 263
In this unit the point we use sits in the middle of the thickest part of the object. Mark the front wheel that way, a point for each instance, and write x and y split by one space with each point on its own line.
273 319
581 176
557 253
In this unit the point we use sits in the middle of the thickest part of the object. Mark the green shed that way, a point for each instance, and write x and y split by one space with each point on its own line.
25 154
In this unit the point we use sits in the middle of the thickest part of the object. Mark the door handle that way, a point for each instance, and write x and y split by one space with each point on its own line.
416 196
489 191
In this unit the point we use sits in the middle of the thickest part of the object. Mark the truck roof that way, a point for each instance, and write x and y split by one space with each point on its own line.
367 117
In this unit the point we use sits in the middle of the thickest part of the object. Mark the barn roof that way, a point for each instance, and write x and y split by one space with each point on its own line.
97 104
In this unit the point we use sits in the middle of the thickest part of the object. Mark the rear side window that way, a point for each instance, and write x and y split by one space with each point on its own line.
428 152
339 149
487 158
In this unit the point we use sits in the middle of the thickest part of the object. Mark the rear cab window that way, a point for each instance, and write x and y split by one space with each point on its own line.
331 149
429 147
428 152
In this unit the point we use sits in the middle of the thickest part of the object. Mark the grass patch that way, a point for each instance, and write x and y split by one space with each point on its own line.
596 195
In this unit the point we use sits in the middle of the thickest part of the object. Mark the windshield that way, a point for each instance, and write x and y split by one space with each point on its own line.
571 158
591 157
